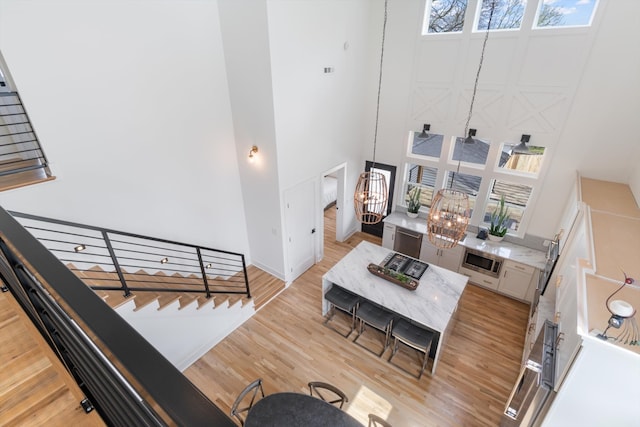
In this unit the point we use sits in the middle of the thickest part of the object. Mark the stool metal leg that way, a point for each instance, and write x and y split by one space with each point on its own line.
332 312
385 344
425 358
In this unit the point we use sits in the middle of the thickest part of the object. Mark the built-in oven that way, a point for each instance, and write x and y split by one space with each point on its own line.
482 262
533 391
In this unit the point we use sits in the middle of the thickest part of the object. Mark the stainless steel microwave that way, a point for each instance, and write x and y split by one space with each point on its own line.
482 262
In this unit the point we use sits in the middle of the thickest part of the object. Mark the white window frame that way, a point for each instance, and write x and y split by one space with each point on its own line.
487 173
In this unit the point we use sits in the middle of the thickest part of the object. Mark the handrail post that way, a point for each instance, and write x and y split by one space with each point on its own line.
204 273
112 253
246 277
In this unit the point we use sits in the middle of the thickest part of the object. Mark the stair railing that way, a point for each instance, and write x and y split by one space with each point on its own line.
134 384
20 150
114 260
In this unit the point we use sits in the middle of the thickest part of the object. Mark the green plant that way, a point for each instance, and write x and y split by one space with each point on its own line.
498 219
414 204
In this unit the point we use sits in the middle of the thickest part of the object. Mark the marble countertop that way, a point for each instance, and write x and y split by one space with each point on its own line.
432 304
506 250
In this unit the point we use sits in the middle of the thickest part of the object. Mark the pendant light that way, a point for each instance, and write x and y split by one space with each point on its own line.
522 147
370 197
450 211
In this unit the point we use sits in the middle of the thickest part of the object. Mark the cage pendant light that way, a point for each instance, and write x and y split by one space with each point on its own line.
448 218
450 211
370 196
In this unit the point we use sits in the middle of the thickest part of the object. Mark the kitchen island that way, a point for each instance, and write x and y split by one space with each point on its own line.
433 304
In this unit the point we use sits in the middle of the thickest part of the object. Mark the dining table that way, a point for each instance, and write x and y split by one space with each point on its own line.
297 409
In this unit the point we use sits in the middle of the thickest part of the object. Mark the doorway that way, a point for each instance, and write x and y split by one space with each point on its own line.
389 173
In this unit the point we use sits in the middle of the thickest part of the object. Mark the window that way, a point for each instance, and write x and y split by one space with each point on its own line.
483 170
529 162
444 16
516 198
474 153
429 145
466 183
423 177
447 16
565 13
507 14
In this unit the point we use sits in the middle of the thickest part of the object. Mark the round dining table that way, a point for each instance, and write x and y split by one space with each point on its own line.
297 409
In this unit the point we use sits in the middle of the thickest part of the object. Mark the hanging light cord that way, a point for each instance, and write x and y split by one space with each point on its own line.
475 85
375 133
475 89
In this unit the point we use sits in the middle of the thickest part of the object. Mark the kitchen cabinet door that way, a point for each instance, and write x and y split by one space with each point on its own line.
445 258
451 258
516 279
483 280
566 317
388 235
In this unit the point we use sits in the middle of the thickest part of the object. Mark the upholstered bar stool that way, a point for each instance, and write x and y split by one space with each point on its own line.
377 317
412 336
342 300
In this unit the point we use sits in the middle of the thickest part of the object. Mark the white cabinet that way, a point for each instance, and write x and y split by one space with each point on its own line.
530 338
445 258
567 319
516 280
481 279
388 235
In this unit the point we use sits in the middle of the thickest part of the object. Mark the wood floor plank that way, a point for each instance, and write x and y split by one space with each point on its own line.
287 346
35 388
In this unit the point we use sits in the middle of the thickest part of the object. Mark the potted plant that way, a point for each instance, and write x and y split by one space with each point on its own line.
414 204
498 221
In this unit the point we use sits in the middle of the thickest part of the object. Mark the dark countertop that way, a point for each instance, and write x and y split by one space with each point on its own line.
297 410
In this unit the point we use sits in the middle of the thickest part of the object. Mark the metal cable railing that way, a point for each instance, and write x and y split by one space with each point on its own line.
20 150
113 260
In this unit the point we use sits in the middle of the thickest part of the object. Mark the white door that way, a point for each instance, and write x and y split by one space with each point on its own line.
300 217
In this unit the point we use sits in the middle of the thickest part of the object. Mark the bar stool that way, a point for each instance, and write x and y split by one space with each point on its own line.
412 336
342 300
377 317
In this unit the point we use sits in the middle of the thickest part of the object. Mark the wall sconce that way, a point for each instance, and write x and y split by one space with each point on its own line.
522 147
80 248
253 152
164 260
424 134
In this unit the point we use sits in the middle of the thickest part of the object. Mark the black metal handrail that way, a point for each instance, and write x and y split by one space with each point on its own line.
115 260
20 150
82 329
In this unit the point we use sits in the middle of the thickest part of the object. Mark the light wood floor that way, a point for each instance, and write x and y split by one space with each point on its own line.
287 346
35 389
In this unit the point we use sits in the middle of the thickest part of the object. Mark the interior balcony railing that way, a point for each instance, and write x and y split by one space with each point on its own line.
125 379
22 160
110 260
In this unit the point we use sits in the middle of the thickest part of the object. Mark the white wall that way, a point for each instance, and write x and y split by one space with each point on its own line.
318 115
247 53
131 105
575 91
600 135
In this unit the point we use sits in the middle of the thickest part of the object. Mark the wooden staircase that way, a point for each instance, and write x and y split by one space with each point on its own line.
263 288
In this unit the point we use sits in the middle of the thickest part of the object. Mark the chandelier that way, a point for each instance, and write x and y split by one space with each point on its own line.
370 197
450 211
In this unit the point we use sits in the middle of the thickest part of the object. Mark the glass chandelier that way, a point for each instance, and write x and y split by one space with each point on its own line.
450 211
370 197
